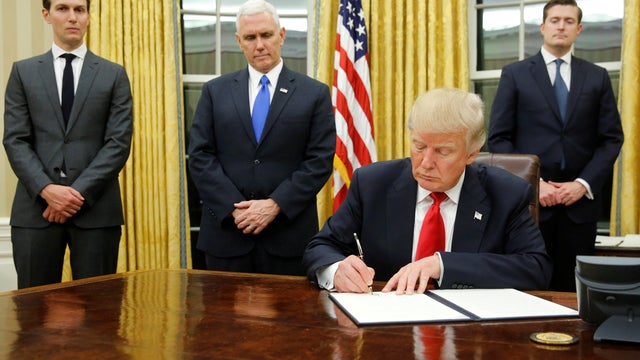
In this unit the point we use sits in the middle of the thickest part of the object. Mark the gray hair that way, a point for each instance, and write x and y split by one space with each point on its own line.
252 7
446 111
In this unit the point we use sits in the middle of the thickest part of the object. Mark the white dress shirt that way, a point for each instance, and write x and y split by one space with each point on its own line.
60 62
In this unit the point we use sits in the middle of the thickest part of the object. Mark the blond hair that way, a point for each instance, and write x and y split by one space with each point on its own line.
447 111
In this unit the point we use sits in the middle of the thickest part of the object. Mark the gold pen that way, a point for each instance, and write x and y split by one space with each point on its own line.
355 236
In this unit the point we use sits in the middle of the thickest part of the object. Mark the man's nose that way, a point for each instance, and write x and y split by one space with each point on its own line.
428 156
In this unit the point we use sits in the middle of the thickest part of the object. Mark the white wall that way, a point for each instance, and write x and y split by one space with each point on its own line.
8 280
23 33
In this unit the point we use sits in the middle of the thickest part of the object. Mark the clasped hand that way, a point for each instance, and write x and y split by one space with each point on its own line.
565 193
62 202
253 216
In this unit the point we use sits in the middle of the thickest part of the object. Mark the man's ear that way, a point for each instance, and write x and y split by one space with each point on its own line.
472 157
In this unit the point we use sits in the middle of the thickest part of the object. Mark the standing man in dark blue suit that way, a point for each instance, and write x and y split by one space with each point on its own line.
258 180
577 136
67 149
490 238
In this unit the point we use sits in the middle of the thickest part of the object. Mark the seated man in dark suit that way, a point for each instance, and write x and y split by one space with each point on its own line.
489 238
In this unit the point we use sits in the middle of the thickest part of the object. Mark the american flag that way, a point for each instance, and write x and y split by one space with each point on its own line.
355 146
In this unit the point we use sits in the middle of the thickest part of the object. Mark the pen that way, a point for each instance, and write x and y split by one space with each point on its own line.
355 236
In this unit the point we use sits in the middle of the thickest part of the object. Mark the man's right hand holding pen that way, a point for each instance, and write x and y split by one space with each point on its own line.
353 275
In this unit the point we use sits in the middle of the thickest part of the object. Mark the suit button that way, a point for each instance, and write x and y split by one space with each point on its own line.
252 195
66 140
56 170
256 162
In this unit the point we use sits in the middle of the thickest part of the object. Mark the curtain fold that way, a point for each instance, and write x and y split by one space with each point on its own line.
143 36
625 202
414 46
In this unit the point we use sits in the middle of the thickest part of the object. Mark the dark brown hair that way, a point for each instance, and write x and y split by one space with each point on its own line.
47 4
553 3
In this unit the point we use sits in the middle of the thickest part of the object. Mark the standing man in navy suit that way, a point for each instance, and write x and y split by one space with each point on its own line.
258 180
490 239
577 142
67 145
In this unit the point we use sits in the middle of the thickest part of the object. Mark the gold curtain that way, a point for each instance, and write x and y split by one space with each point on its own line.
143 36
625 202
414 45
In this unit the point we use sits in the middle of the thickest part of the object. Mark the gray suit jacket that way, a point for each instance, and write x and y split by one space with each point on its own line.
94 146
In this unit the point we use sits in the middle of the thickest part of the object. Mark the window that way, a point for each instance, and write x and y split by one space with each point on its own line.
505 31
210 49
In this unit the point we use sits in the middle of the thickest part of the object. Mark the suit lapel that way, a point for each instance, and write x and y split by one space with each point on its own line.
473 213
401 216
578 75
240 96
88 74
48 76
283 91
540 75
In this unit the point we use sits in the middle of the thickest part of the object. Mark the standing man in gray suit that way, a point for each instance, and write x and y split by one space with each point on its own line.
258 178
68 126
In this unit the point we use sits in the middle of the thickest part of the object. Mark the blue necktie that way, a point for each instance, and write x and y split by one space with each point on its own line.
562 93
68 92
261 107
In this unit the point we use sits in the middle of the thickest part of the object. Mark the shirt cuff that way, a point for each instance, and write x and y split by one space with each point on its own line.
588 194
325 275
439 281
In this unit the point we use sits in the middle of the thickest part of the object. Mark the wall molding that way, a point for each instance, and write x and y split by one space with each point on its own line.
5 229
8 279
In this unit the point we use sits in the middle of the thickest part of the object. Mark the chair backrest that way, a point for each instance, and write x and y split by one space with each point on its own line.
526 166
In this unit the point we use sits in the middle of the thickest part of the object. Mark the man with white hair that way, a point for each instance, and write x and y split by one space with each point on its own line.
261 147
487 236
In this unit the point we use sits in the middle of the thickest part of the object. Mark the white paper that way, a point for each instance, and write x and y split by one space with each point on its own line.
504 303
608 241
631 240
388 307
479 304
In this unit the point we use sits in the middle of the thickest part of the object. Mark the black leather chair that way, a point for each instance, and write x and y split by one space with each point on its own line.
526 166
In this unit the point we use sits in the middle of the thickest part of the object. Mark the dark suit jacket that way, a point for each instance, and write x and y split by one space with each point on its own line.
525 119
94 146
290 164
501 248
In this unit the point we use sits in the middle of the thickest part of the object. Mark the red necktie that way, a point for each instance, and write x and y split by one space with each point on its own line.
432 232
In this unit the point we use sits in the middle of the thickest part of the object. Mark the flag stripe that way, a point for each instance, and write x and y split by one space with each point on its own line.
351 97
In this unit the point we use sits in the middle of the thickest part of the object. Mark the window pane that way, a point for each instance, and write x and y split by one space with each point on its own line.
532 37
198 44
487 91
498 37
601 36
199 5
283 6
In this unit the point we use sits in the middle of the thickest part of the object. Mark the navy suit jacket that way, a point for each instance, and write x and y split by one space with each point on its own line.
94 146
501 248
290 164
525 119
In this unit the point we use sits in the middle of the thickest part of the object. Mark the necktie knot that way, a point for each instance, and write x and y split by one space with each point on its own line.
558 63
264 81
68 57
438 197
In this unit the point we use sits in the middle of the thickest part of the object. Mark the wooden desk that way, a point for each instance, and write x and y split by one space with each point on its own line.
182 314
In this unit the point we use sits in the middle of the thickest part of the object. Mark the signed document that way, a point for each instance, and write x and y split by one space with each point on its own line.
446 306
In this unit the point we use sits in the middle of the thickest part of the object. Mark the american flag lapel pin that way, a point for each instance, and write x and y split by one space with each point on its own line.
477 216
283 90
